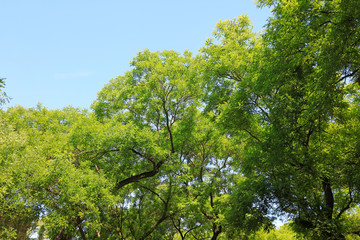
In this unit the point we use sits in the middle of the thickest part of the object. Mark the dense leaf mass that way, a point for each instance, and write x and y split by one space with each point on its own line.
217 145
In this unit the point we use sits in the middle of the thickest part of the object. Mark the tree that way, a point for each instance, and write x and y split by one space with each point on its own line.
296 98
178 157
207 147
41 185
148 163
3 97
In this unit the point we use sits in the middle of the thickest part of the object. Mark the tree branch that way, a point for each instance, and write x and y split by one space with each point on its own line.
346 207
261 108
252 135
169 128
153 192
178 228
348 75
329 198
140 176
208 216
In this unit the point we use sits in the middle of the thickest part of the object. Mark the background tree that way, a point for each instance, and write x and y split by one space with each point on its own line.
147 164
42 186
3 97
180 162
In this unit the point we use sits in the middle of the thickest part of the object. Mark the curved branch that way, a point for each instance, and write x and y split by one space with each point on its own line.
346 207
140 176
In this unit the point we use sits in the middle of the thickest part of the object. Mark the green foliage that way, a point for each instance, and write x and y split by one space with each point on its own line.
148 163
285 232
159 103
213 146
298 90
3 97
40 177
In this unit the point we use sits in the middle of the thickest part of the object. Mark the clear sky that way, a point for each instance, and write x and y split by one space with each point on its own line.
62 53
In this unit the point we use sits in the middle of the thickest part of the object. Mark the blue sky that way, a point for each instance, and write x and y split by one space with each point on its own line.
62 53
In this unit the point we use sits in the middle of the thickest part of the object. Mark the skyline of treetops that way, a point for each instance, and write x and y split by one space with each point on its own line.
254 128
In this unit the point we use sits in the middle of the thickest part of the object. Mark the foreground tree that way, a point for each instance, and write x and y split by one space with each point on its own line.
295 93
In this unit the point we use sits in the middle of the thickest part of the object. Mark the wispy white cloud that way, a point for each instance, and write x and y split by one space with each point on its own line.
72 75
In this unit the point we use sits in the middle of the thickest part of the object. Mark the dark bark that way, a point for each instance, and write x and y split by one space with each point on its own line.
178 229
169 128
216 229
140 176
329 198
329 208
216 232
